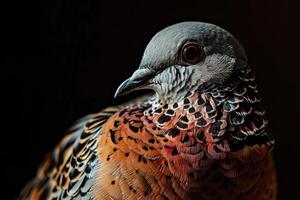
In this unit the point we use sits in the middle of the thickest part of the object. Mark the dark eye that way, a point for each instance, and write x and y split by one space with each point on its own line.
192 53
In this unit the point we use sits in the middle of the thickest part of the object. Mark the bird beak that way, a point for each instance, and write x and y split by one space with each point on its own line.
140 79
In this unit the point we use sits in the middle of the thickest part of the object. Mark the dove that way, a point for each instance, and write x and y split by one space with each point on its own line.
203 133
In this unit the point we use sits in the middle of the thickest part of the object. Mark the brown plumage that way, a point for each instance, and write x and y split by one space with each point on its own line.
202 137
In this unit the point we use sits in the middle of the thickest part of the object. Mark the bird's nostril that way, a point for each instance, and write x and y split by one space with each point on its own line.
142 75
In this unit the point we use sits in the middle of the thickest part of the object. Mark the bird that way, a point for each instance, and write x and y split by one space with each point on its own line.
201 134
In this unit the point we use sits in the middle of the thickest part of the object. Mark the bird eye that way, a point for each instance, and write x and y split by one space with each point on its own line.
192 53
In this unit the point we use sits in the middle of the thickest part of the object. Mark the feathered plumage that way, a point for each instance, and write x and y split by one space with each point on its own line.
203 135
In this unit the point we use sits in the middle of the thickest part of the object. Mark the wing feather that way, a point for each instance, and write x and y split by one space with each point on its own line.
67 172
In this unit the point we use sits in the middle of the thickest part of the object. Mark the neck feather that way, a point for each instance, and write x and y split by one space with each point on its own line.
205 126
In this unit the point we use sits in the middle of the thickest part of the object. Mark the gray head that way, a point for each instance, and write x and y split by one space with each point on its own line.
185 56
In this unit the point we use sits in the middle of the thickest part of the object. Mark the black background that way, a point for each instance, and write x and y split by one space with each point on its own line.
62 59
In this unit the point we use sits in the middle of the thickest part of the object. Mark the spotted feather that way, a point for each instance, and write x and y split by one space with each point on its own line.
69 171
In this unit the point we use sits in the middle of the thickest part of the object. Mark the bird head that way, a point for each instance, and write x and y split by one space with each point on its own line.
185 57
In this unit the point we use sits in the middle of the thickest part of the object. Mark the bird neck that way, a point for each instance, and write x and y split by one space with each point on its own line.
219 130
225 122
